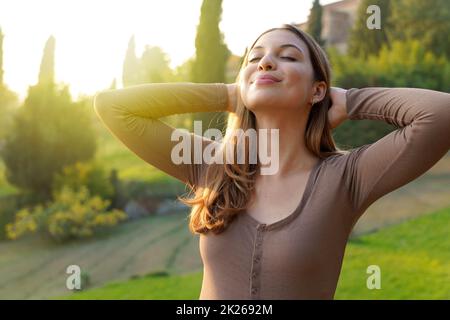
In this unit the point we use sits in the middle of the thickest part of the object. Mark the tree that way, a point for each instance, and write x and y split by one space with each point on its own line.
364 41
403 64
48 132
183 72
8 99
425 21
211 51
154 65
113 85
9 102
314 26
47 69
1 58
131 72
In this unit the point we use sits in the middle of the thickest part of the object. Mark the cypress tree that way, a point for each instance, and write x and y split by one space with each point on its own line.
47 68
48 132
8 100
211 52
1 58
131 73
314 26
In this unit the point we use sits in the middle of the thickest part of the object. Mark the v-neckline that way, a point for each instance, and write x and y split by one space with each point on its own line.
297 210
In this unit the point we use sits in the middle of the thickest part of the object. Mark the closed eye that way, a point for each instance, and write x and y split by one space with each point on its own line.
288 58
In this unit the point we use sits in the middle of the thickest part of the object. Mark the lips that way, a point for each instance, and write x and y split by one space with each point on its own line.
267 78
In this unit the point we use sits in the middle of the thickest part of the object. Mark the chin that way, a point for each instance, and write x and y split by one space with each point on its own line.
260 100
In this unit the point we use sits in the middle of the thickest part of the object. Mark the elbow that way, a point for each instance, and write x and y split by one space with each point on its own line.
439 112
442 115
106 108
99 102
442 106
103 104
441 121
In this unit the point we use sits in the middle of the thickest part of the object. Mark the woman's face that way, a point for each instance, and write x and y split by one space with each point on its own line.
279 53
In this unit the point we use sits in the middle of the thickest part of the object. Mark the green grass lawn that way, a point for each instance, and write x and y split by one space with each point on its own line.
414 258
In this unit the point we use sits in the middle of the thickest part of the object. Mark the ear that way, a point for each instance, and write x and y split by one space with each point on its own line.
319 90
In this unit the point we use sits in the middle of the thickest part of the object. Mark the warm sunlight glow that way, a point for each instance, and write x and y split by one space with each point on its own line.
92 36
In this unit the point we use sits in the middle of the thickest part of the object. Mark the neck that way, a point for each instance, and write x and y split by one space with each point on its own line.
294 156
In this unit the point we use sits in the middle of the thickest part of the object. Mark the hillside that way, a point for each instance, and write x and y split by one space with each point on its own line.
414 258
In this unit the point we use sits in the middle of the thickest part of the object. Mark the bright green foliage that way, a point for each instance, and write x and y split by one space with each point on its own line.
425 21
211 51
48 132
71 215
364 41
405 64
90 174
211 55
155 65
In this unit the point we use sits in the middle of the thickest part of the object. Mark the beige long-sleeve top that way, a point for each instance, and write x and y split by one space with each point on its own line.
300 256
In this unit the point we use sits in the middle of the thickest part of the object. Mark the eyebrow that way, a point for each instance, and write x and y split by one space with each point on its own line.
282 46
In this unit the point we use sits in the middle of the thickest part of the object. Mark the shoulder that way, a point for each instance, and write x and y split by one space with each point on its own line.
345 160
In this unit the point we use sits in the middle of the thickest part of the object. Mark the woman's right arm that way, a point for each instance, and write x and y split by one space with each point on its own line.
131 115
232 96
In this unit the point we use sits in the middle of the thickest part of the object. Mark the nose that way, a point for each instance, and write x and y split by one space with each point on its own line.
266 63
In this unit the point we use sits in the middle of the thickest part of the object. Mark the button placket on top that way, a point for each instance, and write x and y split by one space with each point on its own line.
255 275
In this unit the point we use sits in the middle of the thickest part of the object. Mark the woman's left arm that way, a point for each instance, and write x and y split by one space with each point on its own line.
423 137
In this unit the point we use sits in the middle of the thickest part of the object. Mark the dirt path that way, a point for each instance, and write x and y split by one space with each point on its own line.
30 269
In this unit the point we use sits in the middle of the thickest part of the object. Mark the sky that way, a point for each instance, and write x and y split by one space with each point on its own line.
92 35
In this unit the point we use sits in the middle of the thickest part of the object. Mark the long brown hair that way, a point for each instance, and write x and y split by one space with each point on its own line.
227 187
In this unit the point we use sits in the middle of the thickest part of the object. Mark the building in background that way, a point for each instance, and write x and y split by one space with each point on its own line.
337 20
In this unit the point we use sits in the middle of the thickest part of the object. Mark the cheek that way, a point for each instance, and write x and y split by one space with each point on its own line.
298 85
300 76
244 85
244 89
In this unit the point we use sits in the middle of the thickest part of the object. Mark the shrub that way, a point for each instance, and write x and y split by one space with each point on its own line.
403 64
89 174
85 280
73 214
8 208
48 132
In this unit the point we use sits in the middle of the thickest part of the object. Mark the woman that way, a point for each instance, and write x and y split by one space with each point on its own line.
282 236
